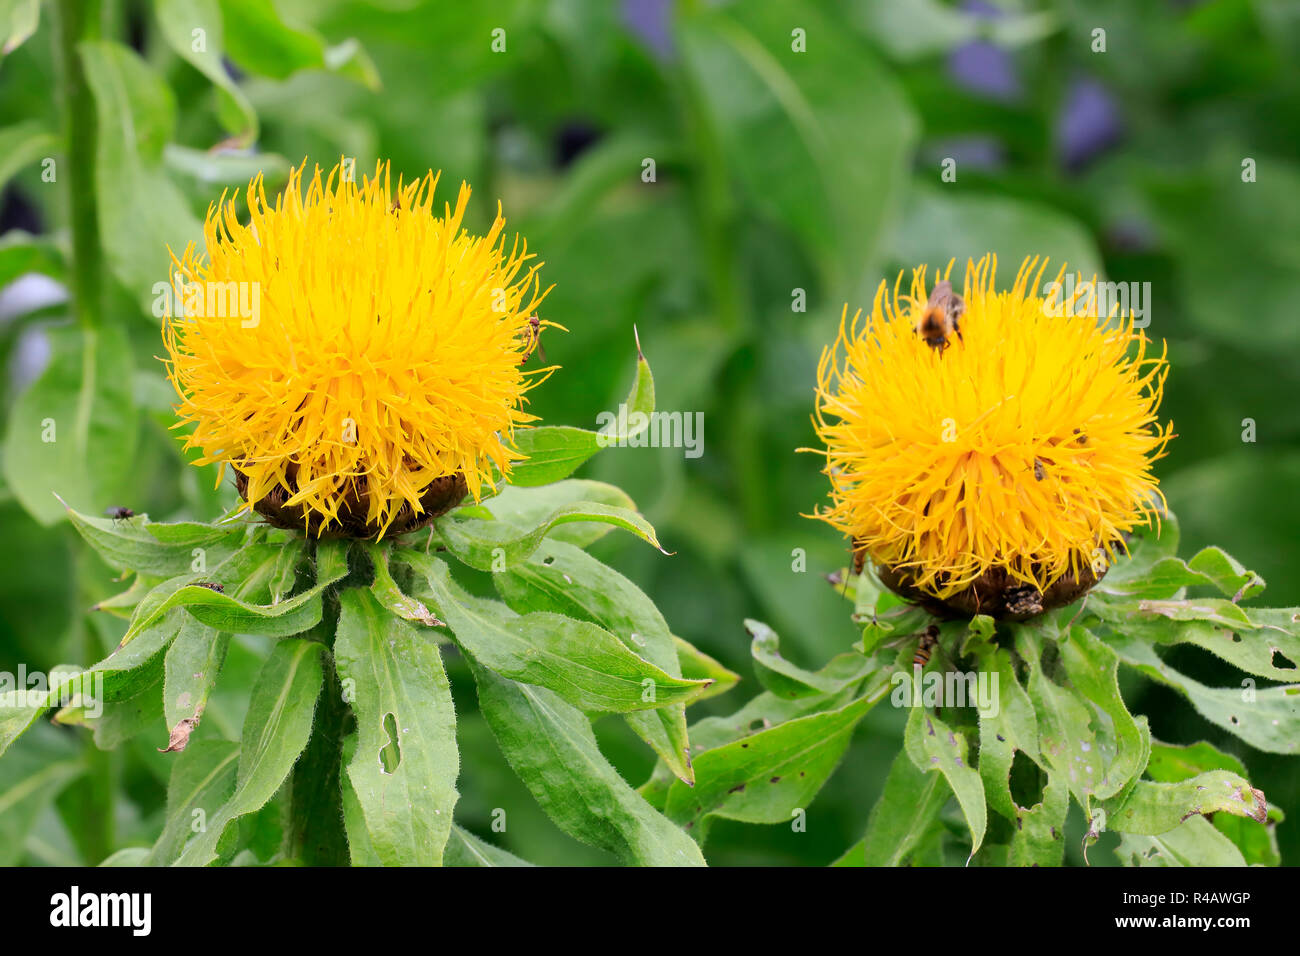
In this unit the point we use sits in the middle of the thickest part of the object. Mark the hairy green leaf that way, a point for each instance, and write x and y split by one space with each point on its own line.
465 849
276 730
551 747
585 664
406 762
932 746
564 579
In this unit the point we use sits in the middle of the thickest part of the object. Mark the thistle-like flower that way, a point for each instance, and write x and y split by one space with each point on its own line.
998 472
379 377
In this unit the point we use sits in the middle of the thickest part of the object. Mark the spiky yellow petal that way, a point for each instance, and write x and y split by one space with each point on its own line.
1026 445
385 351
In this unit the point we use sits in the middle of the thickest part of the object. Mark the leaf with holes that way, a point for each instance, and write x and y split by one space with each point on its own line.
933 747
1153 808
191 669
767 777
1267 718
406 762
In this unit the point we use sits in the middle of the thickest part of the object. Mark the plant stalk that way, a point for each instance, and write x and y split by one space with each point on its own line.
315 834
76 21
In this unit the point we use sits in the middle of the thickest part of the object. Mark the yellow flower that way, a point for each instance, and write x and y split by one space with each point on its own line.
1016 456
361 368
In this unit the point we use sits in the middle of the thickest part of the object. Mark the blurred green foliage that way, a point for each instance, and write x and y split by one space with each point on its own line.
778 173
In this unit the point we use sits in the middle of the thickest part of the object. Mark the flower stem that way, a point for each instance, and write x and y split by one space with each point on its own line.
75 21
315 835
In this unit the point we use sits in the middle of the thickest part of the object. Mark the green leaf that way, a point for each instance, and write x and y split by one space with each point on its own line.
932 746
496 545
29 782
1013 726
588 666
200 170
24 143
74 430
128 856
1086 734
386 591
406 762
202 780
465 849
1171 763
778 675
1149 546
564 579
696 665
527 507
21 253
906 812
557 451
1039 839
276 730
1267 718
18 21
141 211
137 544
766 777
1193 843
1261 641
179 20
231 615
552 748
1153 808
836 132
1210 567
360 850
121 676
260 42
191 669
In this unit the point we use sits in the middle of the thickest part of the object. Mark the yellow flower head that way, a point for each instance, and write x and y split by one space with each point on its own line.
353 354
1022 449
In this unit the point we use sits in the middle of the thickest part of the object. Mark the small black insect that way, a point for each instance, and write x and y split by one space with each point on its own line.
210 585
120 513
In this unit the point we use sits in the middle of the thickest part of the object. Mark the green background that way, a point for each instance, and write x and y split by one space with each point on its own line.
775 170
